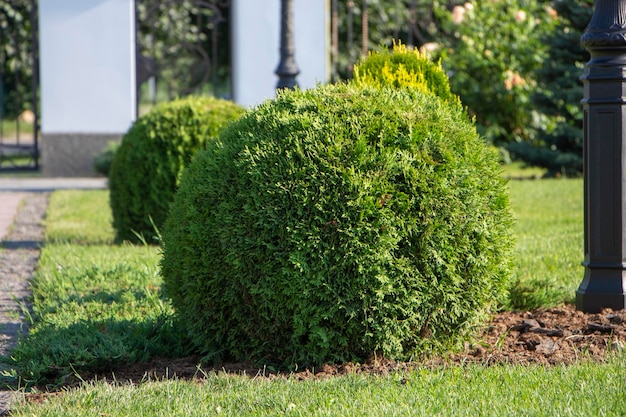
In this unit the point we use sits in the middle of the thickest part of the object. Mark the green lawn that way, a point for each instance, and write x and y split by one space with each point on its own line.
549 247
580 390
98 305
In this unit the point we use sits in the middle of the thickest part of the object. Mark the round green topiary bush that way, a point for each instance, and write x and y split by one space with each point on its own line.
102 161
336 223
146 167
404 68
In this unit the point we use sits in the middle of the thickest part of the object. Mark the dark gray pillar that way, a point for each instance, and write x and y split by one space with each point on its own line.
604 104
287 69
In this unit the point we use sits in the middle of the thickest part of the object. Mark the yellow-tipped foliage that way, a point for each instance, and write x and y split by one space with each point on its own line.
404 68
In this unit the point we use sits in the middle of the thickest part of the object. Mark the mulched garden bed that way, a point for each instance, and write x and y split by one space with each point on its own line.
552 336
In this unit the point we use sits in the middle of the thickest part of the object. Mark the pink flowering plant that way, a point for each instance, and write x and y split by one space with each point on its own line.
492 51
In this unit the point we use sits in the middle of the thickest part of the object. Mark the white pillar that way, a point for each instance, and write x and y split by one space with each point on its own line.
88 88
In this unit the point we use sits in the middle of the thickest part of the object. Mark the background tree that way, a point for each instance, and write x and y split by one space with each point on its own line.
16 57
559 147
492 51
185 44
413 22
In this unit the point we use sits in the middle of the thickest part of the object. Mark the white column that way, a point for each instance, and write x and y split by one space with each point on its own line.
256 43
88 88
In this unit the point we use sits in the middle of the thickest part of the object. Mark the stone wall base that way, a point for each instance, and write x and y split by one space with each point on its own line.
72 154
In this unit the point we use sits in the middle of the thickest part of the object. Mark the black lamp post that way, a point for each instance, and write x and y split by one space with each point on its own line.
604 105
287 69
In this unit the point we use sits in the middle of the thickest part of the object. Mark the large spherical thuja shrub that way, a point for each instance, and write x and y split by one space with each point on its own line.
336 223
146 167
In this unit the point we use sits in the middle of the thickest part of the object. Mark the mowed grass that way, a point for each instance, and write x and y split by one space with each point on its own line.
11 127
95 305
549 242
98 305
579 390
79 218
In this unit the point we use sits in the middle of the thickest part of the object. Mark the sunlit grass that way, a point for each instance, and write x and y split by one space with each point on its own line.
518 170
584 389
11 126
79 217
549 241
95 305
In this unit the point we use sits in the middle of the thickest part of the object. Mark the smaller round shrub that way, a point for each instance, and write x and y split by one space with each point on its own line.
336 223
147 165
104 158
403 68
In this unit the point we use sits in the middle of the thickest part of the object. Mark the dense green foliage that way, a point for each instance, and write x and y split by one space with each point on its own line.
16 57
103 160
146 168
514 64
336 223
403 68
492 52
559 147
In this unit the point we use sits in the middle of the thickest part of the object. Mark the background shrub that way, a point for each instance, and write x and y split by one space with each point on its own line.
403 68
103 160
146 167
335 223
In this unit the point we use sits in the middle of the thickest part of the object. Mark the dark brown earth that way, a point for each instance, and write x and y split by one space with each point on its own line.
544 336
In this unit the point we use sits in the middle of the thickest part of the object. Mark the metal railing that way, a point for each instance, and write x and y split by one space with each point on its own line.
182 49
19 86
172 63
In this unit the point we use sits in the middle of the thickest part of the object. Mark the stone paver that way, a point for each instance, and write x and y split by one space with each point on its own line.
19 254
9 203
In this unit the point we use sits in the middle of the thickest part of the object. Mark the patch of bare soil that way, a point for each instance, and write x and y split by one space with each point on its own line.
544 336
550 336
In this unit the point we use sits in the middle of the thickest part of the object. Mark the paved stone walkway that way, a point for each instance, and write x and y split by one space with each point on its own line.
9 203
19 253
50 184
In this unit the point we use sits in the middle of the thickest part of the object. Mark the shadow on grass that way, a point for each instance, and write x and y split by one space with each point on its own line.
56 351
